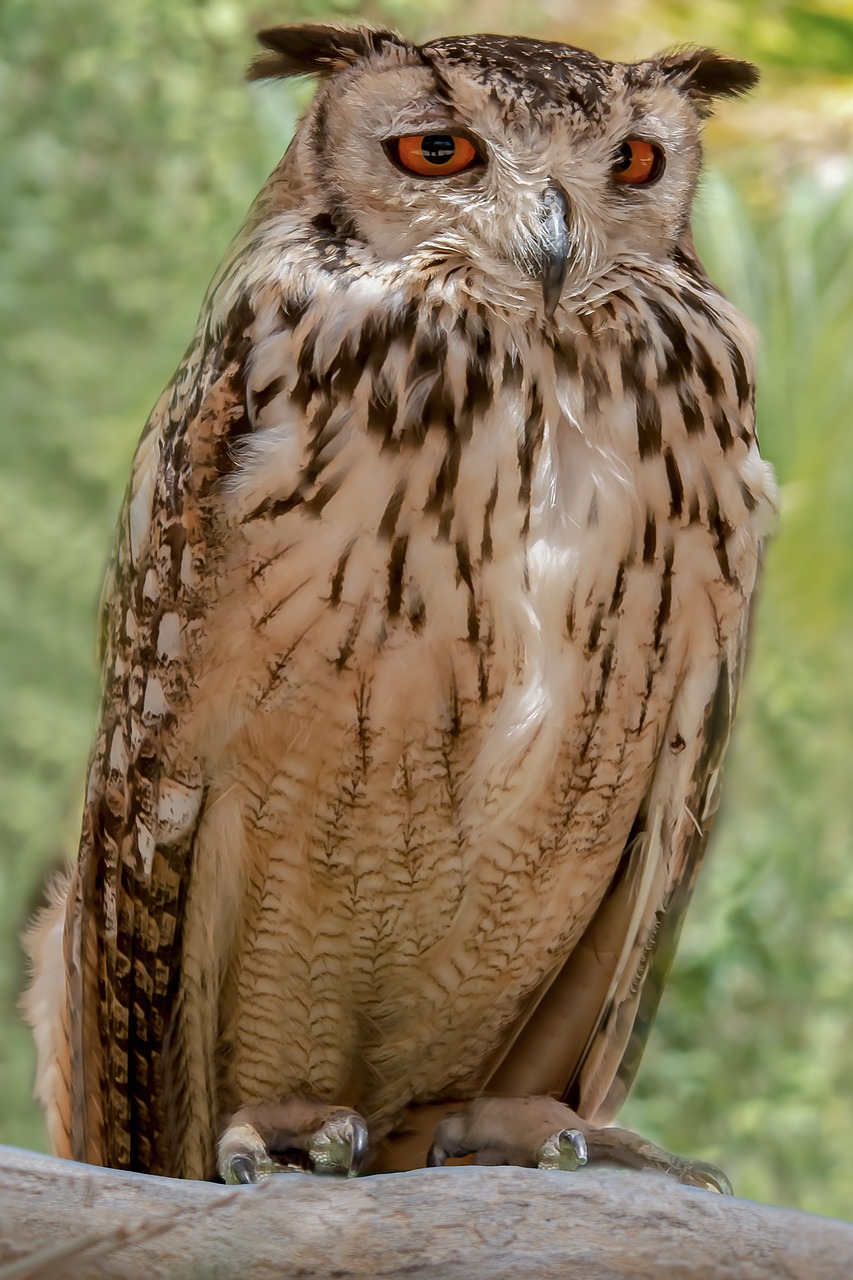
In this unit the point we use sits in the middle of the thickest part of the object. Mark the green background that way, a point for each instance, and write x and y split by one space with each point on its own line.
131 150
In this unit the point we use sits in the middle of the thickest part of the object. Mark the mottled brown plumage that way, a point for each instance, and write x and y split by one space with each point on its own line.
422 634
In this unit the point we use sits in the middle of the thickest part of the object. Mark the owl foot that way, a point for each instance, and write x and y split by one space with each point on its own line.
546 1134
295 1133
534 1132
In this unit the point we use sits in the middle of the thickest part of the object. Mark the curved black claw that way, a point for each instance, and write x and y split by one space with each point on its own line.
358 1147
242 1169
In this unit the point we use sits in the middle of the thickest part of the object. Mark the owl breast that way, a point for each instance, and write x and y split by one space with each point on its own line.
431 696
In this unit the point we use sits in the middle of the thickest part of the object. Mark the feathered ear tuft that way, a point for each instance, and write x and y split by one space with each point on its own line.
705 74
315 49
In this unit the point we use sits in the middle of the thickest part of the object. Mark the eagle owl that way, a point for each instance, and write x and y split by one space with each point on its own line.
421 637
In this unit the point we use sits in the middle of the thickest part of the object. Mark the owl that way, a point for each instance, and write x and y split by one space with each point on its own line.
421 638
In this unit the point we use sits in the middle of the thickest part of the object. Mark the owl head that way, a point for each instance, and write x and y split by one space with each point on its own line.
529 169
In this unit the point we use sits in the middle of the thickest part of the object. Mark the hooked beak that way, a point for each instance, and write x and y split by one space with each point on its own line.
555 258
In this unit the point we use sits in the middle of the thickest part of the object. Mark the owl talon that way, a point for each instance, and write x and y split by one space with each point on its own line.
436 1157
241 1169
294 1133
565 1150
243 1158
340 1146
700 1173
531 1132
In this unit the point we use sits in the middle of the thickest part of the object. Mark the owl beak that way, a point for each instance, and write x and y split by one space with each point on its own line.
555 241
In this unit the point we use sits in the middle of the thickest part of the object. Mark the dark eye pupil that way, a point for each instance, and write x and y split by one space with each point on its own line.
624 157
438 148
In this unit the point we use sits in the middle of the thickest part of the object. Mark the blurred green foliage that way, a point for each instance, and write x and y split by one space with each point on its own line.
131 151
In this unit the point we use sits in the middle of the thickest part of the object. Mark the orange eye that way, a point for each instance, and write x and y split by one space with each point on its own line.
637 162
434 154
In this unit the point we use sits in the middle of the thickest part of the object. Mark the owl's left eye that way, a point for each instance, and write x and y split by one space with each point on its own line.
433 155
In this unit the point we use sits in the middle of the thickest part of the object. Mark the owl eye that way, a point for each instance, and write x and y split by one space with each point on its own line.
433 155
637 162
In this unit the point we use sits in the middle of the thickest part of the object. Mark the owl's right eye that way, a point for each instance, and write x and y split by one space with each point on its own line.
637 162
433 155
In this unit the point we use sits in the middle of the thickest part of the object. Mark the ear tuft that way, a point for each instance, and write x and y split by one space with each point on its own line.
315 49
705 74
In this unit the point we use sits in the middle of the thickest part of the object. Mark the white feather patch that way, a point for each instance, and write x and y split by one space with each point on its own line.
169 639
177 810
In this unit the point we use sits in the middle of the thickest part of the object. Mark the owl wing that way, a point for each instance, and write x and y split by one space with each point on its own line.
144 797
582 1034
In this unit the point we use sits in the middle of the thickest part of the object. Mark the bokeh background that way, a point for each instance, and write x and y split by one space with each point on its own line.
131 150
